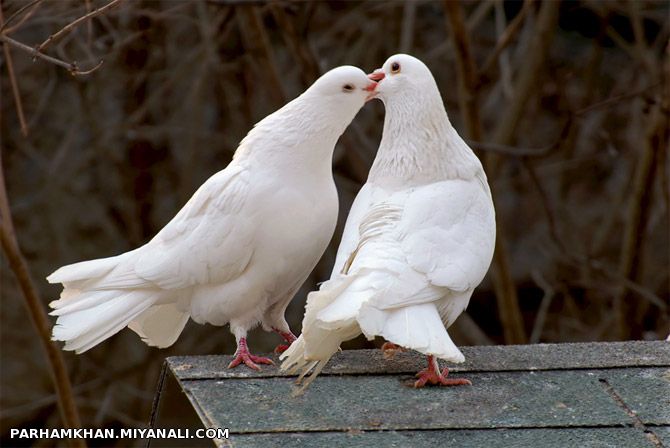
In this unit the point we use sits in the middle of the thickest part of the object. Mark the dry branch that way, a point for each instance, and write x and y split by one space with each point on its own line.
71 67
256 41
70 26
528 73
507 36
4 29
38 315
14 83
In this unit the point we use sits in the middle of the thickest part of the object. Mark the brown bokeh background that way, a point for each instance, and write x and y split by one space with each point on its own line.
567 104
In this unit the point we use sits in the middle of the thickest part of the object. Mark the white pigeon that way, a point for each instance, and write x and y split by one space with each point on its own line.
419 237
239 249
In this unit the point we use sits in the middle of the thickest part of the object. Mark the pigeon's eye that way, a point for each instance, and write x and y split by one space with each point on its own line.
347 88
395 68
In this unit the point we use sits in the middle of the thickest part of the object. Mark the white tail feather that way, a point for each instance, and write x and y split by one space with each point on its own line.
84 270
417 327
96 316
321 340
160 325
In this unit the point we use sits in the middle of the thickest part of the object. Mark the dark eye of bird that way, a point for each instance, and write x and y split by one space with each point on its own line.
347 87
395 67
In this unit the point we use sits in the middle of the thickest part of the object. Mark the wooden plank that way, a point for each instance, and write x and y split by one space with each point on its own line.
478 359
663 433
496 400
546 438
645 392
555 395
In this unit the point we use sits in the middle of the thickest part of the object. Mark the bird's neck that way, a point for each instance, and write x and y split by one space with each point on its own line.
419 145
299 139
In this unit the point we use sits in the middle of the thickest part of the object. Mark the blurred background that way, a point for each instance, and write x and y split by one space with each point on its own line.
565 102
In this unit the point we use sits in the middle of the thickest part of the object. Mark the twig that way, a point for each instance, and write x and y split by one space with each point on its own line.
14 83
257 42
467 70
299 48
526 80
617 98
541 317
19 267
510 150
504 57
639 208
466 330
4 26
407 30
71 67
507 36
70 26
89 24
630 313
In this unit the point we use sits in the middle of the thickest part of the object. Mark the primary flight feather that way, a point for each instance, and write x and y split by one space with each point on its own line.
419 237
241 246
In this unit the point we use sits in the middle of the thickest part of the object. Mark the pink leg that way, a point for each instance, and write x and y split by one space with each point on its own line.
242 355
432 375
288 337
389 350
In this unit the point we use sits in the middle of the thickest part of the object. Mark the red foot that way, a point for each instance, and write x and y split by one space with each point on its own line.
389 350
242 355
432 375
288 337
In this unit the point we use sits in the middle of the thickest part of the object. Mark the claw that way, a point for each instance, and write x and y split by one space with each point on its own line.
242 355
288 337
281 348
432 375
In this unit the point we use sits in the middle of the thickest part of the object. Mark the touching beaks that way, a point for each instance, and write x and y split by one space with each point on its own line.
377 75
371 87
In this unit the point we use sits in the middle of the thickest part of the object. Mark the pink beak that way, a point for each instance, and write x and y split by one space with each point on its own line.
377 75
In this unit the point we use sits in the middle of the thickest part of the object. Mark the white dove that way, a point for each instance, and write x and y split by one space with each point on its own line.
419 237
239 249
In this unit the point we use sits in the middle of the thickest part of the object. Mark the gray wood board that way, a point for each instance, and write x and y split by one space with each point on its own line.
508 438
478 359
553 395
495 400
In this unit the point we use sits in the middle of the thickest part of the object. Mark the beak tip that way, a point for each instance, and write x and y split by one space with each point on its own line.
376 76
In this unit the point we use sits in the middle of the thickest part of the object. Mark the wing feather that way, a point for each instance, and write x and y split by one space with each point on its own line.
190 250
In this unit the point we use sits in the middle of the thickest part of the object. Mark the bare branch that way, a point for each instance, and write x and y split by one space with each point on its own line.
542 312
70 26
4 26
71 67
38 315
15 85
507 36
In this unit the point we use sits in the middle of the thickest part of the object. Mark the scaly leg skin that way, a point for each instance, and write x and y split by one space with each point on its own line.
389 350
432 375
288 336
242 355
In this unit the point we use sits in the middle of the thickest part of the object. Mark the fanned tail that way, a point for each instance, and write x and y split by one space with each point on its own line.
85 319
101 297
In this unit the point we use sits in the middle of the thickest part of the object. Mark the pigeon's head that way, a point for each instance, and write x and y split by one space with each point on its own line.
345 88
402 75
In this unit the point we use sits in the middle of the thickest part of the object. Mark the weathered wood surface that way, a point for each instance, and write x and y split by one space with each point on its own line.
593 394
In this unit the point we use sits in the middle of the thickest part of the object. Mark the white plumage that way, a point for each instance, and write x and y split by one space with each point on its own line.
419 237
240 248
